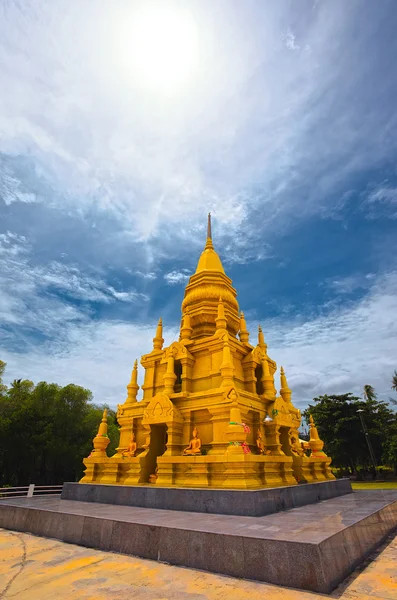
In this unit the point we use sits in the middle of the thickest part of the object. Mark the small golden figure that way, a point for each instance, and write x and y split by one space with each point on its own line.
304 445
260 444
194 446
296 447
131 447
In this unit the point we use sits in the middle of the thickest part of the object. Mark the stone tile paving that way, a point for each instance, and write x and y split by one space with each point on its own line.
37 568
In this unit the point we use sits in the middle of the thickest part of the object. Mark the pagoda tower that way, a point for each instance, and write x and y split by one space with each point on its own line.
210 415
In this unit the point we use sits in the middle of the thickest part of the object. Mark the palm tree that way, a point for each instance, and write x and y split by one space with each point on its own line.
369 393
394 382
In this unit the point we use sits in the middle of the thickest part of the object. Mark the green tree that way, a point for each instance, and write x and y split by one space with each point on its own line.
46 430
394 382
340 428
369 393
389 456
3 388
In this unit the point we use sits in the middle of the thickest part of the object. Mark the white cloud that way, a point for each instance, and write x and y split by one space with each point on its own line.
97 138
343 351
289 41
98 356
25 297
337 353
11 188
150 276
349 284
384 194
177 277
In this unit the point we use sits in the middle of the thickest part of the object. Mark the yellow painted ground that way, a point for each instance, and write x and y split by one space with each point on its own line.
37 568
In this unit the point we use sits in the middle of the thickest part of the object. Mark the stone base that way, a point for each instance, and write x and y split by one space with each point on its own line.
313 547
254 503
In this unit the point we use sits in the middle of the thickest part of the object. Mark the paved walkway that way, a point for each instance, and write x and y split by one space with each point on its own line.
37 568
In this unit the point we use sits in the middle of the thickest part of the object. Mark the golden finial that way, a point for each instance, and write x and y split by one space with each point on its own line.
133 387
186 329
261 338
209 234
243 334
169 376
285 392
265 368
226 367
283 378
316 444
158 339
267 379
221 319
101 440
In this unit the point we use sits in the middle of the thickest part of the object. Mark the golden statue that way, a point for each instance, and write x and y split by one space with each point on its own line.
131 447
296 447
304 445
194 446
260 443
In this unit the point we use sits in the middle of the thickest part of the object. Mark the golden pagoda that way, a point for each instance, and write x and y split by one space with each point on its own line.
210 414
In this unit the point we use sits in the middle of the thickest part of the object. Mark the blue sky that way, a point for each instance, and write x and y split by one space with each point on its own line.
285 128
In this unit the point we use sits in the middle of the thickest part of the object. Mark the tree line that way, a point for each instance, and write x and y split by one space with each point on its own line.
46 430
340 427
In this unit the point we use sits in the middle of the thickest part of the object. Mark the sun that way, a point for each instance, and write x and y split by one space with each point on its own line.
163 47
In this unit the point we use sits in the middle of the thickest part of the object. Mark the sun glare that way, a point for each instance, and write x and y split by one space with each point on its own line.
164 47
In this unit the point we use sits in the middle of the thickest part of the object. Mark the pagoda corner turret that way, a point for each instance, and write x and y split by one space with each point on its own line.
209 415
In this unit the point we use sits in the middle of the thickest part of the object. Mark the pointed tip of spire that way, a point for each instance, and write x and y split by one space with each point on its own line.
261 338
220 299
136 364
241 315
160 321
105 413
209 244
282 370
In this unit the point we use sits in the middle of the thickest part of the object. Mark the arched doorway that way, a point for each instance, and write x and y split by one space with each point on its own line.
259 382
157 447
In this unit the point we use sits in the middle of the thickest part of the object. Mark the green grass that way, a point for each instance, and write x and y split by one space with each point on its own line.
376 485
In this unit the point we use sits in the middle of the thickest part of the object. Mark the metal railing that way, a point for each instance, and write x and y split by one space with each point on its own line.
28 491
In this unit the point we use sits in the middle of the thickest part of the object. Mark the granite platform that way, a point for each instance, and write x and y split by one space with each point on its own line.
252 503
313 547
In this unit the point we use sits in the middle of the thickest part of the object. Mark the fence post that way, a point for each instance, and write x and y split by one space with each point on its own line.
30 490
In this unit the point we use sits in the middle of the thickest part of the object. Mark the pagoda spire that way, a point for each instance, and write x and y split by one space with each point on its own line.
316 444
221 319
101 440
158 340
209 243
227 368
209 260
186 329
267 379
261 339
285 392
133 386
243 334
169 377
